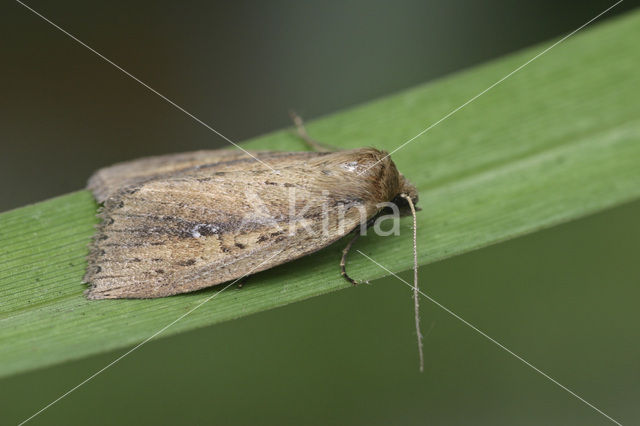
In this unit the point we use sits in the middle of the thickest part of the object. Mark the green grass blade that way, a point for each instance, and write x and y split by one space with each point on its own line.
558 140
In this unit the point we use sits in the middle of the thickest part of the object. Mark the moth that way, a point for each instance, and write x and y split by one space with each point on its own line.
178 223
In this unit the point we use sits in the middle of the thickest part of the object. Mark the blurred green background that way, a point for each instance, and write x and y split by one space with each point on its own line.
565 299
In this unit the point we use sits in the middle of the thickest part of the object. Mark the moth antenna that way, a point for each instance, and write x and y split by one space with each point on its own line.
302 132
416 303
343 261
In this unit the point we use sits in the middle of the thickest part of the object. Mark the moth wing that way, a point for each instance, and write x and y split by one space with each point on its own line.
183 233
109 180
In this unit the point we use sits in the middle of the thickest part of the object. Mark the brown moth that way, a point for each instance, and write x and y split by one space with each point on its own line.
178 223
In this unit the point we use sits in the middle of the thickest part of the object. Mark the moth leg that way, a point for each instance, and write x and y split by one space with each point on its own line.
343 261
242 281
302 132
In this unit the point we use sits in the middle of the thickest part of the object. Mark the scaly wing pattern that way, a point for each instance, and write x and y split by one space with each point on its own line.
202 223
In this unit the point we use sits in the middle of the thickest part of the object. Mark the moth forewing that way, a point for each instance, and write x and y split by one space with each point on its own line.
179 223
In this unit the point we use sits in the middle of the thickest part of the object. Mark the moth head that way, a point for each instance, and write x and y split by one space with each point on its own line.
389 183
369 174
406 188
